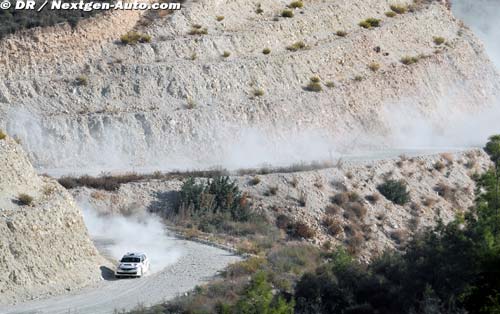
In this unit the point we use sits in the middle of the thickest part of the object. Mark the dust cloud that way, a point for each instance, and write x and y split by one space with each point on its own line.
483 17
115 235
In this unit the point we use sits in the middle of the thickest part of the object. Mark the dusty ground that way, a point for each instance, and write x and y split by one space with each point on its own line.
198 263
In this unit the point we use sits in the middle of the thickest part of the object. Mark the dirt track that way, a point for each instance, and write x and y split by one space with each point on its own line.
196 264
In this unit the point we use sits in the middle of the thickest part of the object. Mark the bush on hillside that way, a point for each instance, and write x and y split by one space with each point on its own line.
395 191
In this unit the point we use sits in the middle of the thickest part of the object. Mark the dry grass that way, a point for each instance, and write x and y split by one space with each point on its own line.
408 60
429 202
219 18
25 199
438 40
341 33
374 66
332 225
299 45
197 30
448 157
132 38
2 135
373 198
390 14
370 23
296 4
287 13
399 9
255 180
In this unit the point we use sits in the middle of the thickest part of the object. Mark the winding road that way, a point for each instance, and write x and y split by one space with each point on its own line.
196 264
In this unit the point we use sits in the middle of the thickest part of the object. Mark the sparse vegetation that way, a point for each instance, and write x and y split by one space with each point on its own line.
259 9
197 30
330 84
374 66
407 60
390 14
82 81
190 103
296 4
258 92
395 191
219 18
266 51
132 38
399 9
370 23
25 199
255 180
287 13
226 54
341 33
296 46
438 40
2 135
359 78
314 85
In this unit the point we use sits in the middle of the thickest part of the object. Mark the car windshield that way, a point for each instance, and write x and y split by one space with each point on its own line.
130 260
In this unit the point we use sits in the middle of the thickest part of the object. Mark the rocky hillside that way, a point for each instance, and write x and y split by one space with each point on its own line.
44 247
229 83
340 205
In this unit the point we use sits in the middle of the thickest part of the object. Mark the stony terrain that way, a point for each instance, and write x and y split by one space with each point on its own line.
440 187
45 248
177 102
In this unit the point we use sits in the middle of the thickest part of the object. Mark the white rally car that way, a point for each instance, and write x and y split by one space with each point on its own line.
132 265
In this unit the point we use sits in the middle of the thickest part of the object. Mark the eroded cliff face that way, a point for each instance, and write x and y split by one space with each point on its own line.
178 103
44 248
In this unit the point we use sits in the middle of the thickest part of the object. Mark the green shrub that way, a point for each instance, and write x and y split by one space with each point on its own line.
314 85
2 135
82 81
25 199
287 13
407 60
226 54
296 4
197 30
218 195
438 40
399 9
395 191
266 51
132 38
370 22
259 9
258 92
259 298
297 46
330 84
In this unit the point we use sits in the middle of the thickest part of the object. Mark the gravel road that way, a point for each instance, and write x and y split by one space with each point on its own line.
196 264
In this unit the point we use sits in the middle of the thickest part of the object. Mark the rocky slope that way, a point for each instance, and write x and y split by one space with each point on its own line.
440 187
44 247
178 102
